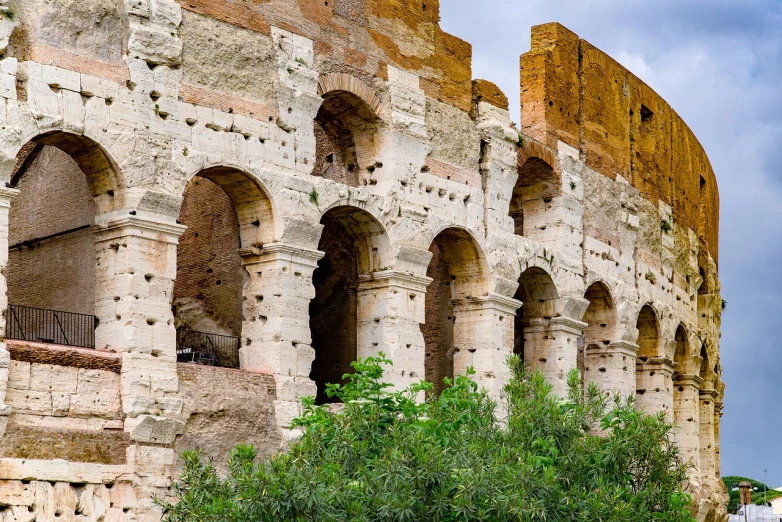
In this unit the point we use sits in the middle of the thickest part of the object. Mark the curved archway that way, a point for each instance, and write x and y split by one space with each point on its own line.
229 218
344 128
601 320
537 184
685 401
458 273
647 372
64 181
706 411
536 289
354 243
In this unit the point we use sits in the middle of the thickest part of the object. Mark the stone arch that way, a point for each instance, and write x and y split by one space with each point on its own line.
354 243
64 181
601 320
365 226
647 389
229 218
459 273
536 291
345 129
681 355
101 171
539 181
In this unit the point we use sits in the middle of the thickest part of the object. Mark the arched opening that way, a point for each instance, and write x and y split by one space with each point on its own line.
354 243
536 288
706 432
682 350
600 318
457 273
685 401
227 217
530 206
64 181
345 128
681 410
648 349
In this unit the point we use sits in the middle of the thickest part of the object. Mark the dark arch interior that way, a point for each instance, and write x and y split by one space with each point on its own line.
680 356
535 288
535 186
342 122
51 250
209 280
455 269
648 334
352 240
600 317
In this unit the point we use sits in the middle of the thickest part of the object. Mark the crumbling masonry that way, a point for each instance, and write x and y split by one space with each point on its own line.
325 180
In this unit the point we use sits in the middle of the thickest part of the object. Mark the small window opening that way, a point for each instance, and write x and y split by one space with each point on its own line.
646 114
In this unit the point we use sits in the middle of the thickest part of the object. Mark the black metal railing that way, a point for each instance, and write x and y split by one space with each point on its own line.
207 348
50 326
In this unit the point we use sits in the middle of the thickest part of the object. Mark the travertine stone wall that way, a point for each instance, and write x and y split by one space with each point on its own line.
436 222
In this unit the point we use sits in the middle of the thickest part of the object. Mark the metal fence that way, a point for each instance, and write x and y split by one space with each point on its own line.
207 348
50 326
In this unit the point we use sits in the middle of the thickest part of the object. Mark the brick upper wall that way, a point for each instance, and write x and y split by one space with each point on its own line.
364 34
575 93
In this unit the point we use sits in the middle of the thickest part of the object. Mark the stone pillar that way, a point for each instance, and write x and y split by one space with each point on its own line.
276 335
551 346
391 310
483 339
135 272
654 385
6 195
706 421
611 367
686 408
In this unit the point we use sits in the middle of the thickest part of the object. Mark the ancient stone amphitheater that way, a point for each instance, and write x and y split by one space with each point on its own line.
211 207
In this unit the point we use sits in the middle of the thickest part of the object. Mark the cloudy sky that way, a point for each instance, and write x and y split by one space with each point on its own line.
719 64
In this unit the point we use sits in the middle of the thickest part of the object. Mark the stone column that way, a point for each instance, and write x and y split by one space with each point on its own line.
135 272
391 310
686 408
6 195
612 367
276 335
654 385
551 346
483 339
706 421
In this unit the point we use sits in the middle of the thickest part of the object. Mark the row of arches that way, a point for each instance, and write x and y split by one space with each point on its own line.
63 184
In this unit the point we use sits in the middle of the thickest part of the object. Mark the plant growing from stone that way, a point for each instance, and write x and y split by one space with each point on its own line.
388 457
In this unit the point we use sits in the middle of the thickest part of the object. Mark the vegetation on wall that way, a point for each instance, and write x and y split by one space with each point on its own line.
386 457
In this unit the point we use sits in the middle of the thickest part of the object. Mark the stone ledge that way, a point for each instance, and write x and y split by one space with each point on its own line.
103 447
58 355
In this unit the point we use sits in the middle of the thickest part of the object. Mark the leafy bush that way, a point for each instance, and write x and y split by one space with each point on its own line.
388 457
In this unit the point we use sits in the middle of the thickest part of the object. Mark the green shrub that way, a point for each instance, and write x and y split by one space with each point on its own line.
387 457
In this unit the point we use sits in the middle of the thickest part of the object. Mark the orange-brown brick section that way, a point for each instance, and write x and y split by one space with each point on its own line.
334 23
226 102
574 93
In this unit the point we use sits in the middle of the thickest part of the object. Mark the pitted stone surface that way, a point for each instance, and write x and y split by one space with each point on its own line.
368 196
